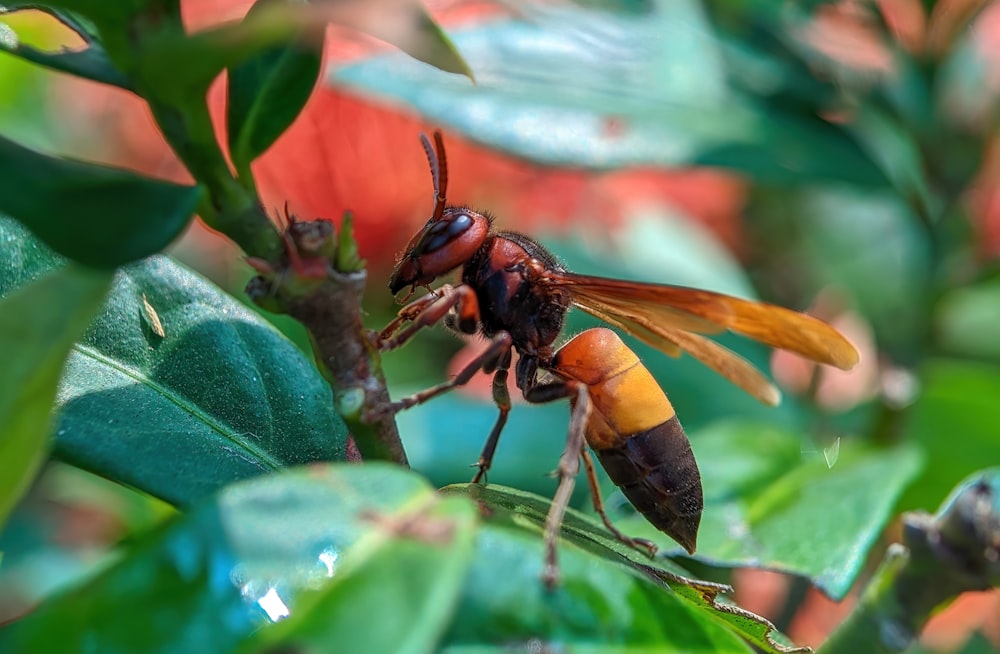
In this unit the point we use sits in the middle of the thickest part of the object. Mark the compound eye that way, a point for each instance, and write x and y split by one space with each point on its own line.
443 232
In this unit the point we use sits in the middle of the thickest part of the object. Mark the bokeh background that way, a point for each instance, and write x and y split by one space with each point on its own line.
835 157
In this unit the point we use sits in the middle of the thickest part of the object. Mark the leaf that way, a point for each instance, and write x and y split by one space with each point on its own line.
596 90
319 546
410 570
594 602
955 421
221 396
202 56
38 325
96 215
90 63
266 93
767 505
202 580
97 10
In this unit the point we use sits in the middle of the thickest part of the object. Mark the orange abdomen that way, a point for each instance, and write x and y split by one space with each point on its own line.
635 433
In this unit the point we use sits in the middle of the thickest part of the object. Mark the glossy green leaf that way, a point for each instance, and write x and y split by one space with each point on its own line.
38 324
594 601
266 93
590 89
396 590
770 505
955 421
99 216
212 577
178 389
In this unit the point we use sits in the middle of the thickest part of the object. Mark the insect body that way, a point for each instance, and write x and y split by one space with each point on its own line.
517 294
635 433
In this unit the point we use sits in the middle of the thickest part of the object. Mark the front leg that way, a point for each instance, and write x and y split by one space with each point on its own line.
429 310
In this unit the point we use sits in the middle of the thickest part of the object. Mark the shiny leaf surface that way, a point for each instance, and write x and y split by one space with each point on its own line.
358 555
410 569
220 396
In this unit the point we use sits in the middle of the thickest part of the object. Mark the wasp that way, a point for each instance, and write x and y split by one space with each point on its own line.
516 294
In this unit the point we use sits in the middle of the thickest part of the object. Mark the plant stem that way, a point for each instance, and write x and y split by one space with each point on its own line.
231 208
320 283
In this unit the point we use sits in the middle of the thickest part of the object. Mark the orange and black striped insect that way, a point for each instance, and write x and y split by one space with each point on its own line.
516 294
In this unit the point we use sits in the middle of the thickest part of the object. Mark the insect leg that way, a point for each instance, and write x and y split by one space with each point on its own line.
569 466
498 350
569 463
595 496
429 310
408 313
501 396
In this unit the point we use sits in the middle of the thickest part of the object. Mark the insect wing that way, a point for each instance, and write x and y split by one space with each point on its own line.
717 357
665 309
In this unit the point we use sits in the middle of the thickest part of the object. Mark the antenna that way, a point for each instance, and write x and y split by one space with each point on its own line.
439 170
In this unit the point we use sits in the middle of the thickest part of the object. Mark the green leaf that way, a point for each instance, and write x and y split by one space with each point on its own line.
177 389
594 603
90 63
955 421
207 580
767 505
596 90
96 215
410 569
38 325
372 559
266 93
